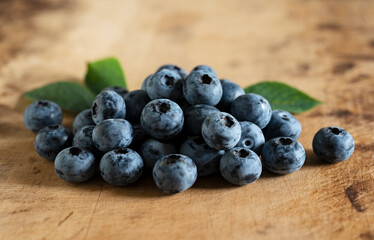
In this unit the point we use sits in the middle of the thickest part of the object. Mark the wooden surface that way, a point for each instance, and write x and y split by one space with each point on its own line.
323 47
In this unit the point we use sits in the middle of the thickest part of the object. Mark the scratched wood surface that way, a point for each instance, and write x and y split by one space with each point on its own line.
325 48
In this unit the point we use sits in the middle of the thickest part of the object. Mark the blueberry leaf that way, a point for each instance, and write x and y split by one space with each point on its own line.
70 96
104 73
284 97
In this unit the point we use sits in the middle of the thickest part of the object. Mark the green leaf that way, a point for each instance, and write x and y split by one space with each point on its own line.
104 73
284 97
68 95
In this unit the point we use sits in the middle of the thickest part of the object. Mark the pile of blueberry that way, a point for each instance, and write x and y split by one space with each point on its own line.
179 126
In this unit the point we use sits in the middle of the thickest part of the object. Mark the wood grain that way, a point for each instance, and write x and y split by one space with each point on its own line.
325 48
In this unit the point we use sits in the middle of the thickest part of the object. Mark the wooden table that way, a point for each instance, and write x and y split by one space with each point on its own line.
325 48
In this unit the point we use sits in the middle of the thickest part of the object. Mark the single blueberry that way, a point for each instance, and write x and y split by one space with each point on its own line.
119 90
230 92
75 165
333 144
84 118
165 84
206 158
121 167
41 114
111 134
174 68
83 139
240 166
135 102
152 150
108 105
221 131
139 136
194 117
162 119
145 82
202 87
252 137
283 155
51 140
174 173
282 124
204 68
253 108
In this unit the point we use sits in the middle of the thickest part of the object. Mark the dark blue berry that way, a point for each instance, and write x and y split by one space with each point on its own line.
121 167
230 92
139 136
204 68
240 166
194 117
108 105
84 118
206 158
221 131
174 173
135 102
253 108
75 165
333 144
282 124
165 84
152 150
145 82
162 119
119 90
111 134
202 87
41 114
174 68
51 140
252 137
83 139
283 155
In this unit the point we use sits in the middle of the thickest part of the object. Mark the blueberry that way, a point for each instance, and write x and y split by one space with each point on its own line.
51 140
183 103
333 144
202 87
111 134
119 90
205 157
174 68
240 166
162 119
84 118
174 173
145 82
165 84
282 124
139 136
252 137
194 117
230 92
152 150
75 165
221 131
283 155
108 105
121 167
41 114
204 68
83 139
253 108
135 102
